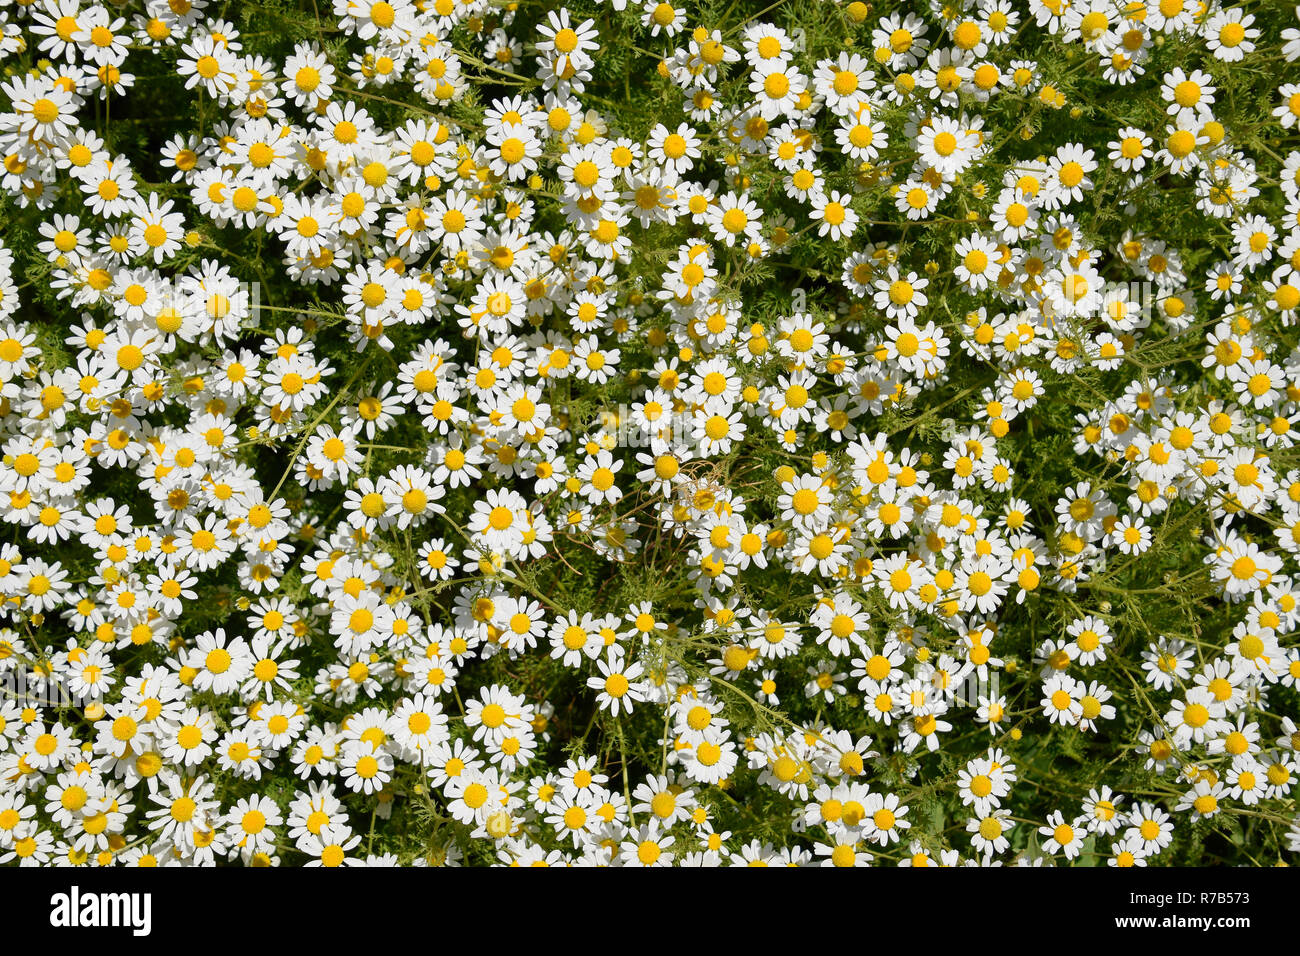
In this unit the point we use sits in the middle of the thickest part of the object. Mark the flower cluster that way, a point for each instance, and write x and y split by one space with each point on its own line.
800 444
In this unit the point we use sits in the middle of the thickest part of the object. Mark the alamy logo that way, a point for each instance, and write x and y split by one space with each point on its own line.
82 910
28 690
